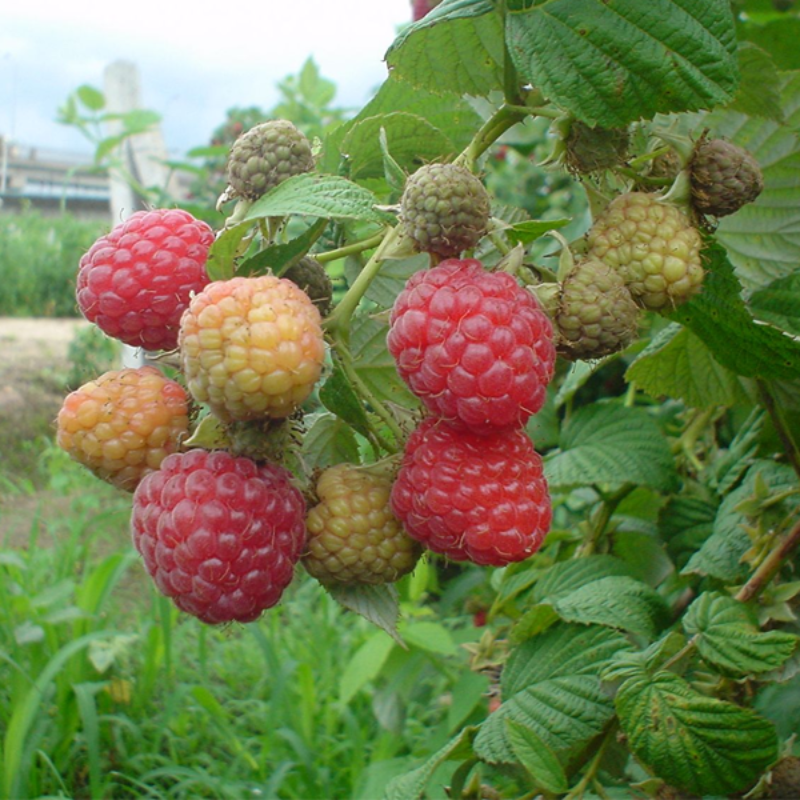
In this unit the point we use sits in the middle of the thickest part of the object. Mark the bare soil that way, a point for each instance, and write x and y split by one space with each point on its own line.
33 369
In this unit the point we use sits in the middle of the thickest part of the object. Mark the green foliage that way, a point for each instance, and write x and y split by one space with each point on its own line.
38 261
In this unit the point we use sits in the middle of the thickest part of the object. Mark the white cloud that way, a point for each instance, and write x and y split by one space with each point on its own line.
193 65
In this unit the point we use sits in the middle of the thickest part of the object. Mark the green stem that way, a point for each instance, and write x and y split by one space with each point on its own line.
346 362
770 566
594 765
351 249
504 118
607 510
339 320
651 156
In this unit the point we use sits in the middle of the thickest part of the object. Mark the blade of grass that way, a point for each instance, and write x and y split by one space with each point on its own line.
25 712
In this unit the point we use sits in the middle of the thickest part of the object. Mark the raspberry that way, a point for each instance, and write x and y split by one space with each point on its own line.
724 177
472 498
444 209
123 424
596 314
353 537
474 346
265 156
135 282
312 278
654 246
251 348
220 535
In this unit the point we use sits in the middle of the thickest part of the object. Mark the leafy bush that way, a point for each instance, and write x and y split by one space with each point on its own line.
650 646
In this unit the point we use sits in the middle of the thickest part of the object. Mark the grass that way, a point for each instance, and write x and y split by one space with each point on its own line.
106 690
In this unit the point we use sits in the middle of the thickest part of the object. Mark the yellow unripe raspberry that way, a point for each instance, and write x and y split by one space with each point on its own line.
353 536
123 424
251 348
653 245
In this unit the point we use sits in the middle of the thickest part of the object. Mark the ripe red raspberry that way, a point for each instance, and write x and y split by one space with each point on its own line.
251 348
473 345
135 282
472 498
220 535
123 424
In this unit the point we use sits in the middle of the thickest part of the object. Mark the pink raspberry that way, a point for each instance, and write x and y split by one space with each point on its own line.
473 345
220 535
472 498
135 282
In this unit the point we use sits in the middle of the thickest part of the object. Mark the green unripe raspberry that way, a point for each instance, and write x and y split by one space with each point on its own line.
653 245
312 278
265 156
445 209
596 314
353 536
724 177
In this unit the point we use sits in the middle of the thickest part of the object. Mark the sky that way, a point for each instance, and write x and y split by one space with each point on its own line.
193 65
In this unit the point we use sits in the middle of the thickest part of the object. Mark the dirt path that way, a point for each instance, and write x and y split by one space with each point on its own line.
33 381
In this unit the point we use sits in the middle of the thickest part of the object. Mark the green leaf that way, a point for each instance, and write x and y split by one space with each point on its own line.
720 318
374 364
779 37
314 195
540 761
411 140
533 229
613 63
759 92
221 263
364 665
378 604
338 396
685 523
728 637
678 364
617 602
277 258
644 554
92 98
763 238
391 278
694 742
551 685
452 115
721 554
779 303
457 48
411 786
329 441
429 636
565 577
610 444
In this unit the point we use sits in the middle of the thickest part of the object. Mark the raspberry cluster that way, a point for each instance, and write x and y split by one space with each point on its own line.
478 351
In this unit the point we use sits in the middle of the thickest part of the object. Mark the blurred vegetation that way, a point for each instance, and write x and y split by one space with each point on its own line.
38 261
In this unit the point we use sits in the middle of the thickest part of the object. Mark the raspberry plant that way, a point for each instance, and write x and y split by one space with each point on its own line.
631 508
